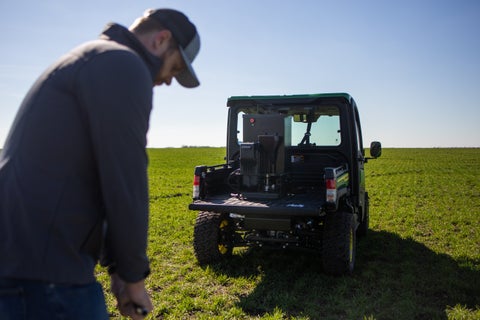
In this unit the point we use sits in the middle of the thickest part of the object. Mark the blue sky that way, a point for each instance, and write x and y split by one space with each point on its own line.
413 67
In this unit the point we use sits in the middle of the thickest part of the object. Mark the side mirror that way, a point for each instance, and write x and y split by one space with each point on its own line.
375 149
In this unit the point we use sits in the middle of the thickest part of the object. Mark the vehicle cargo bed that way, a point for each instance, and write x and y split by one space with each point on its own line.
296 205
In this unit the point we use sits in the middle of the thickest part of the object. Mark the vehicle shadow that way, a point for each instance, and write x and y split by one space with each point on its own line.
394 278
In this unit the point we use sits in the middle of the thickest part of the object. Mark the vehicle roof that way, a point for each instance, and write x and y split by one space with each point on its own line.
282 99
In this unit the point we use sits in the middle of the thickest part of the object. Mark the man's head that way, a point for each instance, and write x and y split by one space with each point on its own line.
169 35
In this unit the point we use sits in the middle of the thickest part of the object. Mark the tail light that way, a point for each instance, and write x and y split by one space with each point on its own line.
198 178
196 187
331 185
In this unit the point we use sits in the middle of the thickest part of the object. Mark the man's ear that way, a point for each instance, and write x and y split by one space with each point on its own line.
161 40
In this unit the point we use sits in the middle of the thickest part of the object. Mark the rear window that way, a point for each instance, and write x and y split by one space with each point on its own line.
307 126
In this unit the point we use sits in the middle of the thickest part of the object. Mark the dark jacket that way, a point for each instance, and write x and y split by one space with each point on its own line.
74 165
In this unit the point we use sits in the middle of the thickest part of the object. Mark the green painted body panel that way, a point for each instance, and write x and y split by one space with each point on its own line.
343 180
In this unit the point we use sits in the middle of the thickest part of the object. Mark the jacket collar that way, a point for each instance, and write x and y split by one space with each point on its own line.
122 35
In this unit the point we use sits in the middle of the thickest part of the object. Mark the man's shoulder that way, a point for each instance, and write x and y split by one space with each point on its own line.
100 56
97 47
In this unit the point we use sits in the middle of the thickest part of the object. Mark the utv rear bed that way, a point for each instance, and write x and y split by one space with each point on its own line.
291 206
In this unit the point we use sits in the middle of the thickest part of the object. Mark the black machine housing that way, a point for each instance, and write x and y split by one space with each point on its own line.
262 154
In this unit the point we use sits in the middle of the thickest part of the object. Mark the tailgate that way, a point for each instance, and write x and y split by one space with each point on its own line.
297 205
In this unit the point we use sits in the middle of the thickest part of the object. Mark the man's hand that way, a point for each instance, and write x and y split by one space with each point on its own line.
132 298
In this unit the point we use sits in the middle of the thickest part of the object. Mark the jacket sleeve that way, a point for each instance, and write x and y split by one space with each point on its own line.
116 94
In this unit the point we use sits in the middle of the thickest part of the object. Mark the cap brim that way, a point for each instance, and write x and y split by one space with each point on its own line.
187 78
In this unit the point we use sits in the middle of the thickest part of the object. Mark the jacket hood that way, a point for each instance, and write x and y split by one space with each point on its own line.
120 34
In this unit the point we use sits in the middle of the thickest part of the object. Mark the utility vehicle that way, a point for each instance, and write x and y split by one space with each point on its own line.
293 177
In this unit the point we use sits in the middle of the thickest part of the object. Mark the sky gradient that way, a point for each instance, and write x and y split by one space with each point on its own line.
413 67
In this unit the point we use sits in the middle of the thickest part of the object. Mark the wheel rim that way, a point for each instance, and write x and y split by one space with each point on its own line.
222 247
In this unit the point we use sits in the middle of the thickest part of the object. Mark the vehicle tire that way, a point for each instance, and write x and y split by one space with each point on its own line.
212 237
362 230
339 243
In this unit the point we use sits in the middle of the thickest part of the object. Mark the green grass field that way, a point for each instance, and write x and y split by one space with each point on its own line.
421 259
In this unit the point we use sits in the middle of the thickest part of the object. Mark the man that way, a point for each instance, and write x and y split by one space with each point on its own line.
73 172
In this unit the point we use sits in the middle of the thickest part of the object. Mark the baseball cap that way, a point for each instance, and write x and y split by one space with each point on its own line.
185 33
